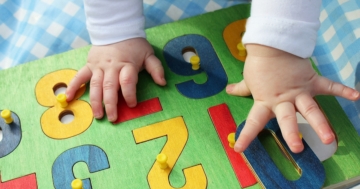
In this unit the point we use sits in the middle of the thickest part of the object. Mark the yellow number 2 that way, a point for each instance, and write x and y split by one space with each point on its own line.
177 135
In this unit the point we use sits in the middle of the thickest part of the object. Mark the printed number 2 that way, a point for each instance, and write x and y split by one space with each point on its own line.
177 135
209 63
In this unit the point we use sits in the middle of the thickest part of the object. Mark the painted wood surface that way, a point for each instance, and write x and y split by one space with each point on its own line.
11 135
130 163
309 167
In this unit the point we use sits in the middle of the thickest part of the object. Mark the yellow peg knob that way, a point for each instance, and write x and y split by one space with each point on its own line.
6 115
241 48
77 184
195 62
231 139
162 160
61 98
300 135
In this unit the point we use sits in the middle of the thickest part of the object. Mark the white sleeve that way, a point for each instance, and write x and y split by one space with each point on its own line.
111 21
288 25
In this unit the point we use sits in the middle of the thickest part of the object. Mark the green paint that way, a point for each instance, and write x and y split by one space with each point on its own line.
129 162
281 161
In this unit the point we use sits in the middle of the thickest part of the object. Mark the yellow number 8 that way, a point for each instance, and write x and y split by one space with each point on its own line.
50 120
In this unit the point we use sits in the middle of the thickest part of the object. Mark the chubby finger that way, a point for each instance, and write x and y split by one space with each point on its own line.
258 117
154 68
309 109
286 118
238 89
128 80
96 83
81 77
110 93
328 87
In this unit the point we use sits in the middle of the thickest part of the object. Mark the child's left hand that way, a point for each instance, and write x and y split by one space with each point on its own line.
281 84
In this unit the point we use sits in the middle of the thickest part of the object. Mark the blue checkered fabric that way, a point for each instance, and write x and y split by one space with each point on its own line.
337 53
30 30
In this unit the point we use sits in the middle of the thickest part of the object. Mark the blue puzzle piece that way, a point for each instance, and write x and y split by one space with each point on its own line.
209 63
62 170
11 135
312 171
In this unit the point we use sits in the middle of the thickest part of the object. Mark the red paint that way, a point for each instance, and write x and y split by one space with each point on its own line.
28 182
143 108
225 124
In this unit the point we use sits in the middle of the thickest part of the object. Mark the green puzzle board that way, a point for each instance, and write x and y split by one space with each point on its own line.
130 162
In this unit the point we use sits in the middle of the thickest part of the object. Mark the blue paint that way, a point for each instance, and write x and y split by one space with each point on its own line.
209 63
62 169
11 135
313 173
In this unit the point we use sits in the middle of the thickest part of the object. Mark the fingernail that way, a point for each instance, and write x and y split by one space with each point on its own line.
328 136
229 88
97 115
131 105
356 94
111 118
296 144
238 147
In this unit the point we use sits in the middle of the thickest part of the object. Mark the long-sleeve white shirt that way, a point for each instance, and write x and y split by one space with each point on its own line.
288 25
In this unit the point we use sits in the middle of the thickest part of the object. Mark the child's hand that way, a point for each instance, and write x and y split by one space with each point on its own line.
282 84
115 66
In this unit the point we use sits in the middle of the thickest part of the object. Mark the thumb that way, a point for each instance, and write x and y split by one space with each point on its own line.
238 89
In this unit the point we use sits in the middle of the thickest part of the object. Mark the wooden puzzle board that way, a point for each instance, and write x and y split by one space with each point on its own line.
188 119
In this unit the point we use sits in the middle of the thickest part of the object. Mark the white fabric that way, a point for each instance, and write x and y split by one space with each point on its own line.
288 25
111 21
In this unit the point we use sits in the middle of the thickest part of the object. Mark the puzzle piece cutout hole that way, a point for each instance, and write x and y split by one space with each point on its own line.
81 170
59 88
321 150
66 117
281 158
188 52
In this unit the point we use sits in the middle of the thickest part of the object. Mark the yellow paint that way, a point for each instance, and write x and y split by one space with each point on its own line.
6 115
176 132
53 128
44 89
61 98
50 120
77 184
231 139
161 159
195 62
232 37
241 49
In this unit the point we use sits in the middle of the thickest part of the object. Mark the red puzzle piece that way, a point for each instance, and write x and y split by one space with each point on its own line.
28 182
225 124
143 108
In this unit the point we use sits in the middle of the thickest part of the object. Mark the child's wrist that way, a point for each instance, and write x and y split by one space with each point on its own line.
258 50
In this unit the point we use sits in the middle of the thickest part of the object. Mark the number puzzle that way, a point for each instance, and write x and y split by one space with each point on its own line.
190 122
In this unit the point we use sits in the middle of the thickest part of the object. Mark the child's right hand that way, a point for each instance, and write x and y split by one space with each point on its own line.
115 66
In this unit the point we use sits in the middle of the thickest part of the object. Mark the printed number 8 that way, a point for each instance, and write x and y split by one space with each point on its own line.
50 120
